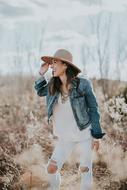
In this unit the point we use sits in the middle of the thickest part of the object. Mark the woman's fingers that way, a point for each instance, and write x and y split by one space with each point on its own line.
95 145
44 64
43 69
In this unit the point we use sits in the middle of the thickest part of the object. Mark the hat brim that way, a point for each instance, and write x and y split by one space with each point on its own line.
48 59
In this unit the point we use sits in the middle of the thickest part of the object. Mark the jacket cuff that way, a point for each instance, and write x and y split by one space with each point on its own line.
97 135
40 83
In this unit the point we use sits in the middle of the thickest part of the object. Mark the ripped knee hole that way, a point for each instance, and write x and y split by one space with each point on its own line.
52 167
84 169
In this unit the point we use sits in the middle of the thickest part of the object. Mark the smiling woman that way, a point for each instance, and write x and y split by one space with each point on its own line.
62 66
59 67
71 101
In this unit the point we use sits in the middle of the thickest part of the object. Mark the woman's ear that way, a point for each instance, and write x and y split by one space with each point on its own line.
65 65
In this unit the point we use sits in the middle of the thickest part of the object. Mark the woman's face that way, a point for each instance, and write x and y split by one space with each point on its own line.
58 68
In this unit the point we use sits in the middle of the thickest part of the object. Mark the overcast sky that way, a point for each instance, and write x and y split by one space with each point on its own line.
32 28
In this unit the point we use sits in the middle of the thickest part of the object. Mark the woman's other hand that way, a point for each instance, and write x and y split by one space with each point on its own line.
95 144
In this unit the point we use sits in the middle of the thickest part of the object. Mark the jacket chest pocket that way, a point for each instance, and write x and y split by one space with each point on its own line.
79 101
78 93
78 96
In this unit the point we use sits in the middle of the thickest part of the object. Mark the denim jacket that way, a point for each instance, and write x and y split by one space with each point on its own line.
83 102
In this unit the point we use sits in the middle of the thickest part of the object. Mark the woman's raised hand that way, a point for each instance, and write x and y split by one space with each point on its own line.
43 69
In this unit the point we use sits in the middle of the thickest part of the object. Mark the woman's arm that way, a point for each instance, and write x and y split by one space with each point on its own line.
93 111
41 86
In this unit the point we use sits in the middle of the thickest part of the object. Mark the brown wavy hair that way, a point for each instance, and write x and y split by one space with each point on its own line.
55 82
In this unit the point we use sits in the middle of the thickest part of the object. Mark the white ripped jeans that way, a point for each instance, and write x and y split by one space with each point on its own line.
60 154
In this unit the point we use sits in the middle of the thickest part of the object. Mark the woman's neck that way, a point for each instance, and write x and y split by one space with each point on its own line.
64 87
63 79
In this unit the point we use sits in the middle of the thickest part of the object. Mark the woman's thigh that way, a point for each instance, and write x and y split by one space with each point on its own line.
61 152
86 152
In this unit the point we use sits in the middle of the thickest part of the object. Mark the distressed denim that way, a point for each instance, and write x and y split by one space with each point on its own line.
83 102
62 151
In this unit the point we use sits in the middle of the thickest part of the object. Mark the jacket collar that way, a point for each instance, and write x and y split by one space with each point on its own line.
74 82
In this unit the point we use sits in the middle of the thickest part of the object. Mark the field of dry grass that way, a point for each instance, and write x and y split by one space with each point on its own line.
26 141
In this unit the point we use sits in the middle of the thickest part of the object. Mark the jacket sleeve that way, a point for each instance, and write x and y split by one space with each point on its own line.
93 111
41 86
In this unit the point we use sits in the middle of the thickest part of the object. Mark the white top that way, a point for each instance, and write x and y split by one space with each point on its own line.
64 124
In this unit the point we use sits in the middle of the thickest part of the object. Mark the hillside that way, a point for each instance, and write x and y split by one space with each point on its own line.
26 141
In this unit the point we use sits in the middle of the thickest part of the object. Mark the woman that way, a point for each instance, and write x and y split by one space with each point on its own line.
76 119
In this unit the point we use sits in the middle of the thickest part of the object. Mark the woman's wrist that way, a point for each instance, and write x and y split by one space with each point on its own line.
96 140
41 74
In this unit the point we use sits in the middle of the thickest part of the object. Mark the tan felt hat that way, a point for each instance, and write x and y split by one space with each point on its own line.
63 55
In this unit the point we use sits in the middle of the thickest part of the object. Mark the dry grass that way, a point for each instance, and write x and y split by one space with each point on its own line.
26 141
